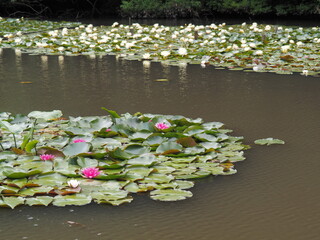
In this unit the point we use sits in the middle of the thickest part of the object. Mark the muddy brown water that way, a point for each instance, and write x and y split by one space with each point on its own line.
274 195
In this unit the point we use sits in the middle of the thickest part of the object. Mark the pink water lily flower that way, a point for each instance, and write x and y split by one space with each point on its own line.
162 126
108 130
46 157
78 140
91 172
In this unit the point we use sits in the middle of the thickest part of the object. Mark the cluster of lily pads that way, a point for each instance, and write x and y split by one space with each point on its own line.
47 159
249 47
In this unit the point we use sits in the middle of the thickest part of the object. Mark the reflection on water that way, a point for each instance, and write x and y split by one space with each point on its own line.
274 195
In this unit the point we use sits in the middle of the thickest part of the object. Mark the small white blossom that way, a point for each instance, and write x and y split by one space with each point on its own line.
285 48
165 53
258 52
73 183
146 56
182 51
115 24
305 72
267 28
299 44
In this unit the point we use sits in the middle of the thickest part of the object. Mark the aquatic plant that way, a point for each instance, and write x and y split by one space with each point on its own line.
122 154
248 47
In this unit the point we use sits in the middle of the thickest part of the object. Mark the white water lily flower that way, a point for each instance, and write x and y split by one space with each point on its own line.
243 41
267 28
146 56
258 52
305 72
73 183
115 24
129 45
299 44
60 49
252 45
285 48
235 47
17 40
64 31
165 53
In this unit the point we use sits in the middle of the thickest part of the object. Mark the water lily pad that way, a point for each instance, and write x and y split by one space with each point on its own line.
170 194
77 199
35 191
14 173
136 149
40 200
268 141
12 202
143 160
76 148
45 115
167 147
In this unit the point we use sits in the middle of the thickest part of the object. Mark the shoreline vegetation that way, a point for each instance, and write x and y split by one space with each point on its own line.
78 9
248 47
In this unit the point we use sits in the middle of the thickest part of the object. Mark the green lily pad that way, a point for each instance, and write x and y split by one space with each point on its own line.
35 191
74 149
268 141
14 173
45 115
40 200
167 147
143 160
77 199
170 194
11 202
136 149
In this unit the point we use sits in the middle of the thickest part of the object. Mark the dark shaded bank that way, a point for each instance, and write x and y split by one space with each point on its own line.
159 8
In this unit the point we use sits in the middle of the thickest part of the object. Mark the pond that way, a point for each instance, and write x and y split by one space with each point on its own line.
274 195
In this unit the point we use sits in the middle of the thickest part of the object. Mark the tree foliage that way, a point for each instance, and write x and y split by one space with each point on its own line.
157 8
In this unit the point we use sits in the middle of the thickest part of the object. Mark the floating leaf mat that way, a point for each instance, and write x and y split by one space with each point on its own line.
248 47
43 157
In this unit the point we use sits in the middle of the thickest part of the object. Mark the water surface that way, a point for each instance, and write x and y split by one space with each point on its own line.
274 195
